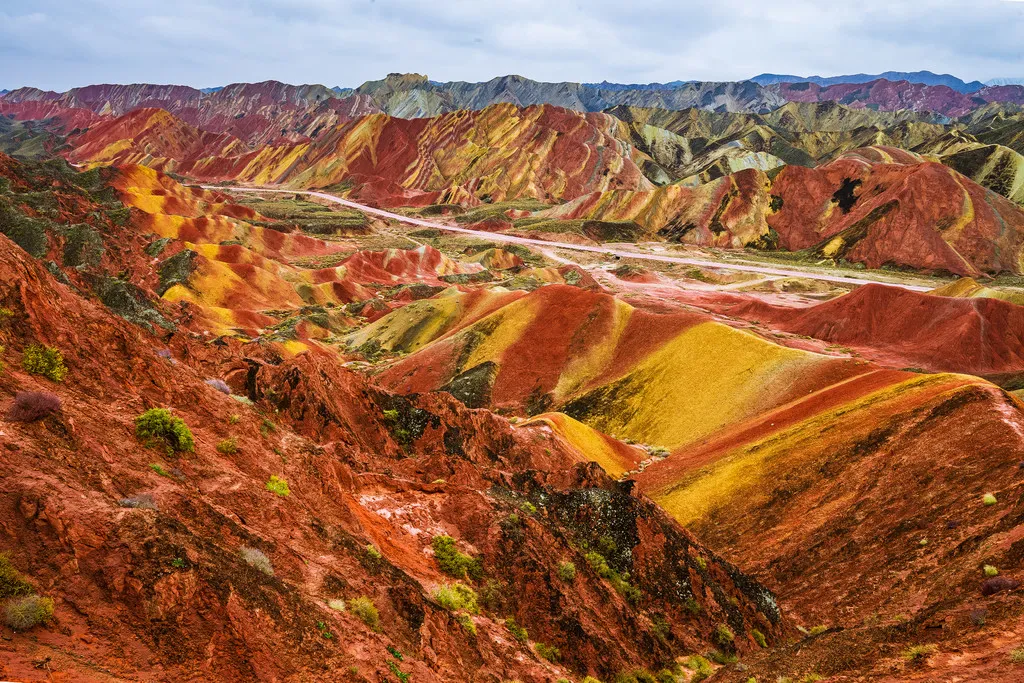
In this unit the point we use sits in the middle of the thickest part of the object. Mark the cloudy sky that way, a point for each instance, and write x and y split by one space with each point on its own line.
57 44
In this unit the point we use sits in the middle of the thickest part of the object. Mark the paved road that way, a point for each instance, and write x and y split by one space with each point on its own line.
511 239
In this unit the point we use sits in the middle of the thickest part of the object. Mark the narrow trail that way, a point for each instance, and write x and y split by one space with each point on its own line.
621 253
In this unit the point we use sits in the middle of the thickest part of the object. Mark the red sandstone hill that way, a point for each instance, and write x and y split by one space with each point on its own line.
902 328
879 206
258 113
143 550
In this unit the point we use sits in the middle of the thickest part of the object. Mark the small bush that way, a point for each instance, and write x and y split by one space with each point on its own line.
30 406
989 570
143 501
157 427
278 486
159 469
724 635
45 361
817 630
1017 655
22 614
396 670
257 559
453 562
566 571
220 385
700 667
989 499
528 507
228 446
457 596
466 622
364 608
12 583
233 420
918 653
337 605
759 638
548 652
372 552
998 584
598 564
590 679
518 632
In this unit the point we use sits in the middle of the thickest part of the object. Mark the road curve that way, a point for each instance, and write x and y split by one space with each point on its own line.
511 239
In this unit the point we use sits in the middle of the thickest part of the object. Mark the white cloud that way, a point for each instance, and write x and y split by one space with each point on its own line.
62 43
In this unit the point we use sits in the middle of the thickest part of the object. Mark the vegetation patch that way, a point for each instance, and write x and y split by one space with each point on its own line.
257 559
157 427
22 614
518 632
454 562
364 608
45 361
30 406
278 486
456 597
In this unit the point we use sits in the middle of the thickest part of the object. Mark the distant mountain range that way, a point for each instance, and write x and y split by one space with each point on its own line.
1005 81
922 77
242 108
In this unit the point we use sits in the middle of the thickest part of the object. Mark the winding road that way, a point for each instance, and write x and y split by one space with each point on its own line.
511 239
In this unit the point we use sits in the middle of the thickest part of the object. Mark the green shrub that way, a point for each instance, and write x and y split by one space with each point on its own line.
918 653
45 361
159 469
157 427
372 552
528 507
548 652
701 562
12 583
228 446
453 562
23 613
325 631
518 632
700 667
397 671
1017 655
278 486
457 596
989 570
466 622
257 559
989 499
364 608
817 630
724 635
598 564
590 679
566 571
759 638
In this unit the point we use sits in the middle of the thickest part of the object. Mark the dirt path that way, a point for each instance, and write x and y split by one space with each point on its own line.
617 251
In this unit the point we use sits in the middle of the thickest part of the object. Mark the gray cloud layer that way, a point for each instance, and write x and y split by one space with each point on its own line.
58 44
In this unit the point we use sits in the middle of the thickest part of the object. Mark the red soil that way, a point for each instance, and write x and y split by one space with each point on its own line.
901 328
